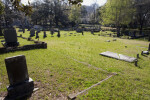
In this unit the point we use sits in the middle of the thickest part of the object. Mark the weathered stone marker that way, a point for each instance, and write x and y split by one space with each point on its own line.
10 36
149 47
37 35
1 34
136 63
32 32
58 35
145 52
20 83
44 36
137 55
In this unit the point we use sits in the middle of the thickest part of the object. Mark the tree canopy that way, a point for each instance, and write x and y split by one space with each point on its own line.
1 7
28 9
117 12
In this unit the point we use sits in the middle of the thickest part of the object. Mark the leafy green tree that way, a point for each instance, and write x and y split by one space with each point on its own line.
75 14
1 7
28 9
117 12
142 13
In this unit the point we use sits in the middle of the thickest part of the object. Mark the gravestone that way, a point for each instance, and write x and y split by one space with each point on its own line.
37 35
149 47
52 32
92 32
137 55
23 30
108 41
44 36
136 63
114 39
1 34
82 33
149 37
20 83
32 32
145 52
58 35
10 36
118 56
20 30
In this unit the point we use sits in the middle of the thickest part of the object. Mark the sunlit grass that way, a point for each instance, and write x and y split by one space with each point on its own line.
58 73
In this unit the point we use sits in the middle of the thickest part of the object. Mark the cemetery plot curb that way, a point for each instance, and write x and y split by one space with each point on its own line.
73 96
37 45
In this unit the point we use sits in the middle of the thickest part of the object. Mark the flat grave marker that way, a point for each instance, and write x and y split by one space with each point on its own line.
118 56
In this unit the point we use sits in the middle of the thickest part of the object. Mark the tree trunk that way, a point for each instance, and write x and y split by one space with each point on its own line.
118 31
141 28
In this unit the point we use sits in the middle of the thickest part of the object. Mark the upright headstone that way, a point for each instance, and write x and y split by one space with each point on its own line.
58 35
52 32
37 35
149 38
20 83
10 36
23 29
32 32
137 55
92 32
82 33
136 63
1 34
149 47
44 36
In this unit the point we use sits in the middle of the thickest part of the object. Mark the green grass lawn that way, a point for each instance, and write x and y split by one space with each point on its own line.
58 70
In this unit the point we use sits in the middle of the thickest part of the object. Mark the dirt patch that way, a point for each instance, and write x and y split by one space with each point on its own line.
3 94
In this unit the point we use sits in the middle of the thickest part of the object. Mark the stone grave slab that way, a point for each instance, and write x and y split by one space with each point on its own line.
118 56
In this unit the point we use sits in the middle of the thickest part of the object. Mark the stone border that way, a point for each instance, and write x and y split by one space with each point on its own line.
37 45
74 96
1 37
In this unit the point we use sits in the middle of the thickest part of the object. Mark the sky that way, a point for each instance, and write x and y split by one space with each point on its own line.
89 2
85 2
